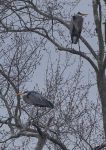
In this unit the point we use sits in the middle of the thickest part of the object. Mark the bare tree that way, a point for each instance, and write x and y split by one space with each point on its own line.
39 23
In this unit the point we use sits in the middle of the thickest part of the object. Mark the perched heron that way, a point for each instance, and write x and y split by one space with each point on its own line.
76 27
105 1
36 99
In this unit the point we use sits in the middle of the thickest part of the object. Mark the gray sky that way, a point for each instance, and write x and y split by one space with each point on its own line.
85 6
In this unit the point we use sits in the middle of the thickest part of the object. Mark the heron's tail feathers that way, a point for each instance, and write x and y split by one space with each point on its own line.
75 39
50 105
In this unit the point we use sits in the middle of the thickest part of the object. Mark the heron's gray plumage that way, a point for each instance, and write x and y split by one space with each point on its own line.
36 99
76 27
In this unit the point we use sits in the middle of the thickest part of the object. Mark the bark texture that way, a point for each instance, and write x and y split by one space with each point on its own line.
101 83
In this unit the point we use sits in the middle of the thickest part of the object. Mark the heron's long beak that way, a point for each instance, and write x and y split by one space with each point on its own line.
20 93
84 14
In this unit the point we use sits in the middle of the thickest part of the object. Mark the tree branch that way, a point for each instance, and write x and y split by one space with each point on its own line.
16 91
32 134
99 34
64 22
73 51
9 80
100 147
89 47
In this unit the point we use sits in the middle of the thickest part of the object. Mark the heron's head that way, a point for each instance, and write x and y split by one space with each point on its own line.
22 93
81 14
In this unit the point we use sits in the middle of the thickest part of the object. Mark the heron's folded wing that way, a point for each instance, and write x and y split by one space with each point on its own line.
38 100
78 23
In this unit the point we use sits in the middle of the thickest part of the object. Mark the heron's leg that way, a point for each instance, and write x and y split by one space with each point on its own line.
79 45
79 50
71 41
71 45
52 26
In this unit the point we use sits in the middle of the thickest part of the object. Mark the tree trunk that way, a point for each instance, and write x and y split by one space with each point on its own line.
101 83
40 144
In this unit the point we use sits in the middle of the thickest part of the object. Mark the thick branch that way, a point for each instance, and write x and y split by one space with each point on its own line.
33 134
99 33
89 47
57 142
104 64
19 134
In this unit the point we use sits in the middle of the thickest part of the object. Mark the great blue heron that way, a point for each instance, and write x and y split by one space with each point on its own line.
76 27
36 99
